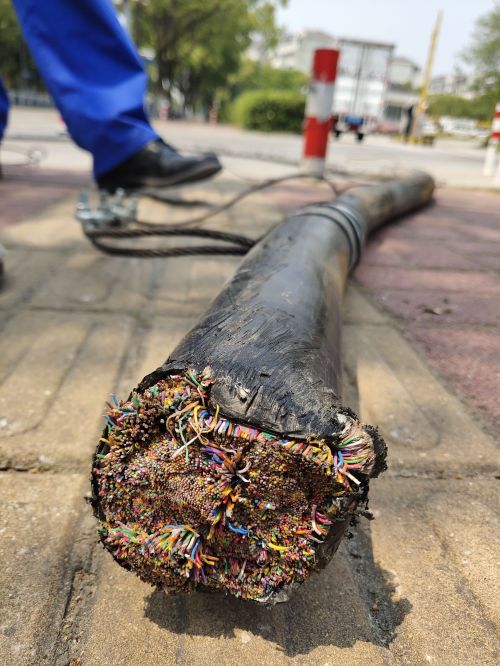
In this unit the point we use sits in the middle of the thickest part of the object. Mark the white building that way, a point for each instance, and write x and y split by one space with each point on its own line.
404 72
371 81
398 101
451 84
362 72
295 51
361 82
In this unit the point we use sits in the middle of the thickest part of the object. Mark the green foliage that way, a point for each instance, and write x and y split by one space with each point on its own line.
484 50
270 110
449 105
17 67
253 75
10 38
478 108
483 54
199 43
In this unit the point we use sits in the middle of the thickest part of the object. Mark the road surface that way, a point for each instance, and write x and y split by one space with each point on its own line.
452 162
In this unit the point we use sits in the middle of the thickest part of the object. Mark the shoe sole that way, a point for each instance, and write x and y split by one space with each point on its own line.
198 172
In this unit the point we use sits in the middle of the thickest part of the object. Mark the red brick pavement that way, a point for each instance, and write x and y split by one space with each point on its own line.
438 273
25 191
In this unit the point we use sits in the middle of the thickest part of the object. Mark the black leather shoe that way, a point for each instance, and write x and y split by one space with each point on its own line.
159 165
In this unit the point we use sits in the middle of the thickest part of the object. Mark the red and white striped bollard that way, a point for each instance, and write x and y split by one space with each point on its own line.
491 150
318 121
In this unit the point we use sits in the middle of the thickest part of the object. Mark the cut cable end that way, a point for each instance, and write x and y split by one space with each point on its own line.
187 498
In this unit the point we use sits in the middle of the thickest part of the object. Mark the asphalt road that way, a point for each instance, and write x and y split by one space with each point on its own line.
452 162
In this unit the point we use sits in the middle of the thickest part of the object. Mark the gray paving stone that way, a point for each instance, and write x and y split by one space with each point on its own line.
119 631
448 577
52 400
25 271
325 622
188 285
425 426
55 228
38 523
408 589
357 309
156 344
94 281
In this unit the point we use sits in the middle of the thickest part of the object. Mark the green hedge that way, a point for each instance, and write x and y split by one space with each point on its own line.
270 110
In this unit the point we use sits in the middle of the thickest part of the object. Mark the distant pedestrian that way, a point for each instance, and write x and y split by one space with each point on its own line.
409 122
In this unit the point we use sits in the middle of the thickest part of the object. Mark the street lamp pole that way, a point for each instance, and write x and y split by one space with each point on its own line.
427 75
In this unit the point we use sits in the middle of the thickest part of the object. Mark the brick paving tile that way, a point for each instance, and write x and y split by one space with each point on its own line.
438 272
445 282
470 359
37 525
433 308
412 253
425 426
24 191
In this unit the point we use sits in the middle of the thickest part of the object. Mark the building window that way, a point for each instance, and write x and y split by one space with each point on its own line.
393 112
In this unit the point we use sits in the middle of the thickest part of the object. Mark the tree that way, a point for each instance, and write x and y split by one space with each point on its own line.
253 75
483 54
449 105
198 44
17 67
477 108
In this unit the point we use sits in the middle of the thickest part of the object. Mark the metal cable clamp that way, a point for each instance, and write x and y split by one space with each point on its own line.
113 210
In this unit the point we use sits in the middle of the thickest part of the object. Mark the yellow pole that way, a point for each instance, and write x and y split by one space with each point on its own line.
427 75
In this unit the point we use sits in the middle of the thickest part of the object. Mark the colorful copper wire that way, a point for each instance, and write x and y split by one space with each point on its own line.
187 497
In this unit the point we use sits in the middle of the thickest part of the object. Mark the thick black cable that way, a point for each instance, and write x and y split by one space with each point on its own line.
270 346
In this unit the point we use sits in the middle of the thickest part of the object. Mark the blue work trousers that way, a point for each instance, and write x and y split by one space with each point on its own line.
92 70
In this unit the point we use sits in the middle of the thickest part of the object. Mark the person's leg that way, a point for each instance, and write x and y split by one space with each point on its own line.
4 109
4 112
92 70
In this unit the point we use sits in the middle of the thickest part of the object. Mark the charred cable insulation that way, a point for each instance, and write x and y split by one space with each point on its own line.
235 466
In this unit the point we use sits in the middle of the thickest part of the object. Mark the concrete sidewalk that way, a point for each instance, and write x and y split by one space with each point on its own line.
416 586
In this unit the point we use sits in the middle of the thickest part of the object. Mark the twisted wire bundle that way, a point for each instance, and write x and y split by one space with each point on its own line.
187 498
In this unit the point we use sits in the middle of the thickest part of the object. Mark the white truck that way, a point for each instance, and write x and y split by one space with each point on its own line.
360 87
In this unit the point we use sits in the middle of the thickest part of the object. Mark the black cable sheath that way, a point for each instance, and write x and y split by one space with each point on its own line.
275 328
272 336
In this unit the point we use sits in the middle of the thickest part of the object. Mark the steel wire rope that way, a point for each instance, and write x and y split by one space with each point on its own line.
236 244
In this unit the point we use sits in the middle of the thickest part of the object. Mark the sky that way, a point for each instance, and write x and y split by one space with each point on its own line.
406 23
